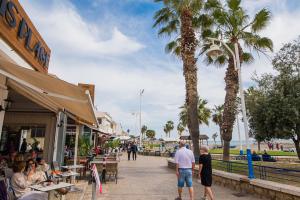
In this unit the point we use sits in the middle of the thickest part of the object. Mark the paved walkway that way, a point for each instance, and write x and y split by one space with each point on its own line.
148 178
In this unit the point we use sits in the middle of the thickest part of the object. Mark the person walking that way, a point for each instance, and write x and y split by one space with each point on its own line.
185 164
205 172
134 149
129 151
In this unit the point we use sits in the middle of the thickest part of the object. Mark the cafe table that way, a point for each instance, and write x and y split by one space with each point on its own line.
67 174
71 167
50 189
103 162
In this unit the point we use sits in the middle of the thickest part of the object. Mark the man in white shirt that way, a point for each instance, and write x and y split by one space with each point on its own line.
185 164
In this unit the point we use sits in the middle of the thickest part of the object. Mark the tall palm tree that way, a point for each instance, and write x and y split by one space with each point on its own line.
234 26
217 118
166 130
169 127
180 128
203 113
182 18
143 130
214 136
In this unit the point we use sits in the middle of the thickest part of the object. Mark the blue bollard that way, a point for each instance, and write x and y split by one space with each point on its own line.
250 165
241 152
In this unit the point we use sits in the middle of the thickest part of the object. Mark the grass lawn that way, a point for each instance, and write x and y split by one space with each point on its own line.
237 152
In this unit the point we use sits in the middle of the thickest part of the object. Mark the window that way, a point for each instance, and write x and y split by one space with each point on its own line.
38 132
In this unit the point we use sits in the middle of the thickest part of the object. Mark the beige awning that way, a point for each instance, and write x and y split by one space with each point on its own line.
50 92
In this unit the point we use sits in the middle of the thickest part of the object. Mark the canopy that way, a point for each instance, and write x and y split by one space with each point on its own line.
50 92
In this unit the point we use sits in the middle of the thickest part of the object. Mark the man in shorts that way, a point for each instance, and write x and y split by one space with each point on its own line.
205 172
185 164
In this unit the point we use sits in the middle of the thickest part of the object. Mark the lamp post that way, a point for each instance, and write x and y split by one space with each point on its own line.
239 133
141 93
216 51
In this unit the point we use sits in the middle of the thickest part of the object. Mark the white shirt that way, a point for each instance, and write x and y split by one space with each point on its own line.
184 158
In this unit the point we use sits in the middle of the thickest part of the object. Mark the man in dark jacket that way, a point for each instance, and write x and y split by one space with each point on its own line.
134 149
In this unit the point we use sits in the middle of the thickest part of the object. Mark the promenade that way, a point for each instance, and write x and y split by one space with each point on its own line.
148 178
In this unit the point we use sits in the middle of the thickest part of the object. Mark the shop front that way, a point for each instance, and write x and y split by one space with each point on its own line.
35 106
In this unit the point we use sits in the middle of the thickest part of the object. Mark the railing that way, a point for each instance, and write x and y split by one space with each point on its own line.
282 175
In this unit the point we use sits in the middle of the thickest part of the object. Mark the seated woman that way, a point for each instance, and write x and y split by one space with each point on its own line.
20 184
33 174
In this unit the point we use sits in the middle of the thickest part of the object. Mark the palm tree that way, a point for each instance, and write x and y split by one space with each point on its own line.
169 127
214 136
182 19
233 25
143 130
217 117
166 130
180 128
203 113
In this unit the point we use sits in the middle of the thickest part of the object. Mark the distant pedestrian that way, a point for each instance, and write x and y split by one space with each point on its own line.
205 172
185 164
23 146
281 147
129 151
134 149
277 146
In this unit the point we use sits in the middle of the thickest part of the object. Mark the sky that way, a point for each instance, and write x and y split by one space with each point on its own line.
111 43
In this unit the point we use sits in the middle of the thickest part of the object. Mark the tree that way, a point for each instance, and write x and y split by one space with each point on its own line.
203 113
143 130
276 107
217 117
182 19
232 24
214 136
168 128
180 128
150 134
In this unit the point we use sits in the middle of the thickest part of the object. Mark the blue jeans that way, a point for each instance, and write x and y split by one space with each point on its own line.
185 176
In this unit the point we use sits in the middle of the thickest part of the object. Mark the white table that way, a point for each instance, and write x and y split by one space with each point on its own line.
51 188
70 167
65 175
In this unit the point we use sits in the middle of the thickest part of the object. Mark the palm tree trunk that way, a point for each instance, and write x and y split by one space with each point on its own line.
231 80
188 47
221 136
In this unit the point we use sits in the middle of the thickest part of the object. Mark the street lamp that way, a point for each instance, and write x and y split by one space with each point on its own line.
216 51
141 93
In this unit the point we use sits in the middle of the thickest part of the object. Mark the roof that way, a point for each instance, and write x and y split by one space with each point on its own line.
50 92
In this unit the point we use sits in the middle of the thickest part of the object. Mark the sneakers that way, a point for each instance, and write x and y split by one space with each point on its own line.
178 198
203 198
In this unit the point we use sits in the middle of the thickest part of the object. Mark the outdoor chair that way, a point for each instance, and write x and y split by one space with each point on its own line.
112 170
101 171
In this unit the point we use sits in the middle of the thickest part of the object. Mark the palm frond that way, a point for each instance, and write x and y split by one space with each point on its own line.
173 47
258 43
162 16
212 4
247 57
260 20
234 5
170 28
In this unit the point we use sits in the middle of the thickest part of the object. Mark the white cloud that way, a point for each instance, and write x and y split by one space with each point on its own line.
63 27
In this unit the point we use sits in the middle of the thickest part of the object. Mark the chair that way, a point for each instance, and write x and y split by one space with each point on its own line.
101 171
112 170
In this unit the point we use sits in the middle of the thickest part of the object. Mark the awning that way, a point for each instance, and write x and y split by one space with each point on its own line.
50 92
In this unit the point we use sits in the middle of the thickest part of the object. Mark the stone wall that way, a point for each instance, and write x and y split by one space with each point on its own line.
259 188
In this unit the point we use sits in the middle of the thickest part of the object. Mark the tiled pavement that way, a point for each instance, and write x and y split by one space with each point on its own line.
148 178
